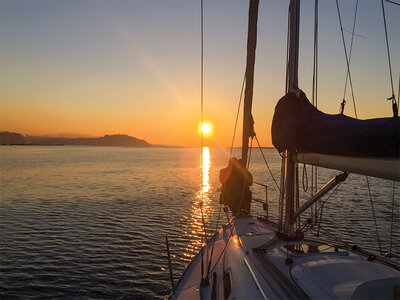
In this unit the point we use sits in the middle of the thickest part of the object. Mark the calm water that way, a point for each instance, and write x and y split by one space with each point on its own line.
91 221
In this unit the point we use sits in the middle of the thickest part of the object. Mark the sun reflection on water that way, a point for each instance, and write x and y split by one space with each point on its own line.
205 168
201 207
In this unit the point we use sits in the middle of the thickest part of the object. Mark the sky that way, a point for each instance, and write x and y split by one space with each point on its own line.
98 67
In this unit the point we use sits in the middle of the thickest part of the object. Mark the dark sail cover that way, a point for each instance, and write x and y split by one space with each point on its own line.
299 126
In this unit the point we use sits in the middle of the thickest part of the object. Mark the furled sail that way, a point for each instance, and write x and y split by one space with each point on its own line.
300 127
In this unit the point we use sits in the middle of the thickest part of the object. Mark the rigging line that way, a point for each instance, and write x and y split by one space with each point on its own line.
237 114
331 194
202 261
352 33
351 48
265 160
202 67
395 3
287 54
387 48
313 181
347 59
245 171
251 147
331 235
315 63
203 221
320 219
373 214
212 249
297 193
391 223
316 181
315 85
223 250
282 193
232 227
202 120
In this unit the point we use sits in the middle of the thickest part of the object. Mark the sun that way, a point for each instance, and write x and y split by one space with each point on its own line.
205 128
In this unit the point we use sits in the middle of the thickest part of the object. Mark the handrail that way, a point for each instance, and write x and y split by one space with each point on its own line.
263 202
262 184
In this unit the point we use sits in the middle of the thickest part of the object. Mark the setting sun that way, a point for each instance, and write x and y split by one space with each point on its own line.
205 128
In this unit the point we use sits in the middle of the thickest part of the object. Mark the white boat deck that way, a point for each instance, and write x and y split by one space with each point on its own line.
249 262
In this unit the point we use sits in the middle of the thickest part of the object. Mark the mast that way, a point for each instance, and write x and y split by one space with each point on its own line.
291 86
248 130
293 46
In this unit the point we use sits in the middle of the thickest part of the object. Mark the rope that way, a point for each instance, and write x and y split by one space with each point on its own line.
389 61
315 64
314 89
353 33
350 52
202 72
314 177
305 188
246 168
320 219
330 234
391 223
373 214
233 225
297 194
395 3
203 221
251 147
202 262
333 192
281 194
347 59
223 250
202 120
212 249
265 160
287 54
237 114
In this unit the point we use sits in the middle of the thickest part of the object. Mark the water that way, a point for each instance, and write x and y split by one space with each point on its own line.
91 222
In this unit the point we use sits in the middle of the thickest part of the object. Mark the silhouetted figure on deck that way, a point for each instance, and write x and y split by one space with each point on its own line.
236 182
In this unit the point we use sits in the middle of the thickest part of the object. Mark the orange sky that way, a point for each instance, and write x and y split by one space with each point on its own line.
133 67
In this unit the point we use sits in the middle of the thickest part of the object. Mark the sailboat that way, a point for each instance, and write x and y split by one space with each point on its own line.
257 258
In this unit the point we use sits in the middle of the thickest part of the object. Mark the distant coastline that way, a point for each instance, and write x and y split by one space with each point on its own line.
117 140
12 138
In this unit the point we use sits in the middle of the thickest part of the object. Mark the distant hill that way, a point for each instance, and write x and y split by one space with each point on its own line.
9 138
111 140
69 135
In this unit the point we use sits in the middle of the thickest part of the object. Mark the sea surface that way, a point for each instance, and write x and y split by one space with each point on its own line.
91 222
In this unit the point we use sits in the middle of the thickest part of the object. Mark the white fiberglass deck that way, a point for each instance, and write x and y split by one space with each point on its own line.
250 262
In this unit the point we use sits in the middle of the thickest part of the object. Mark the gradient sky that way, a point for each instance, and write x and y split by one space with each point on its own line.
133 67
